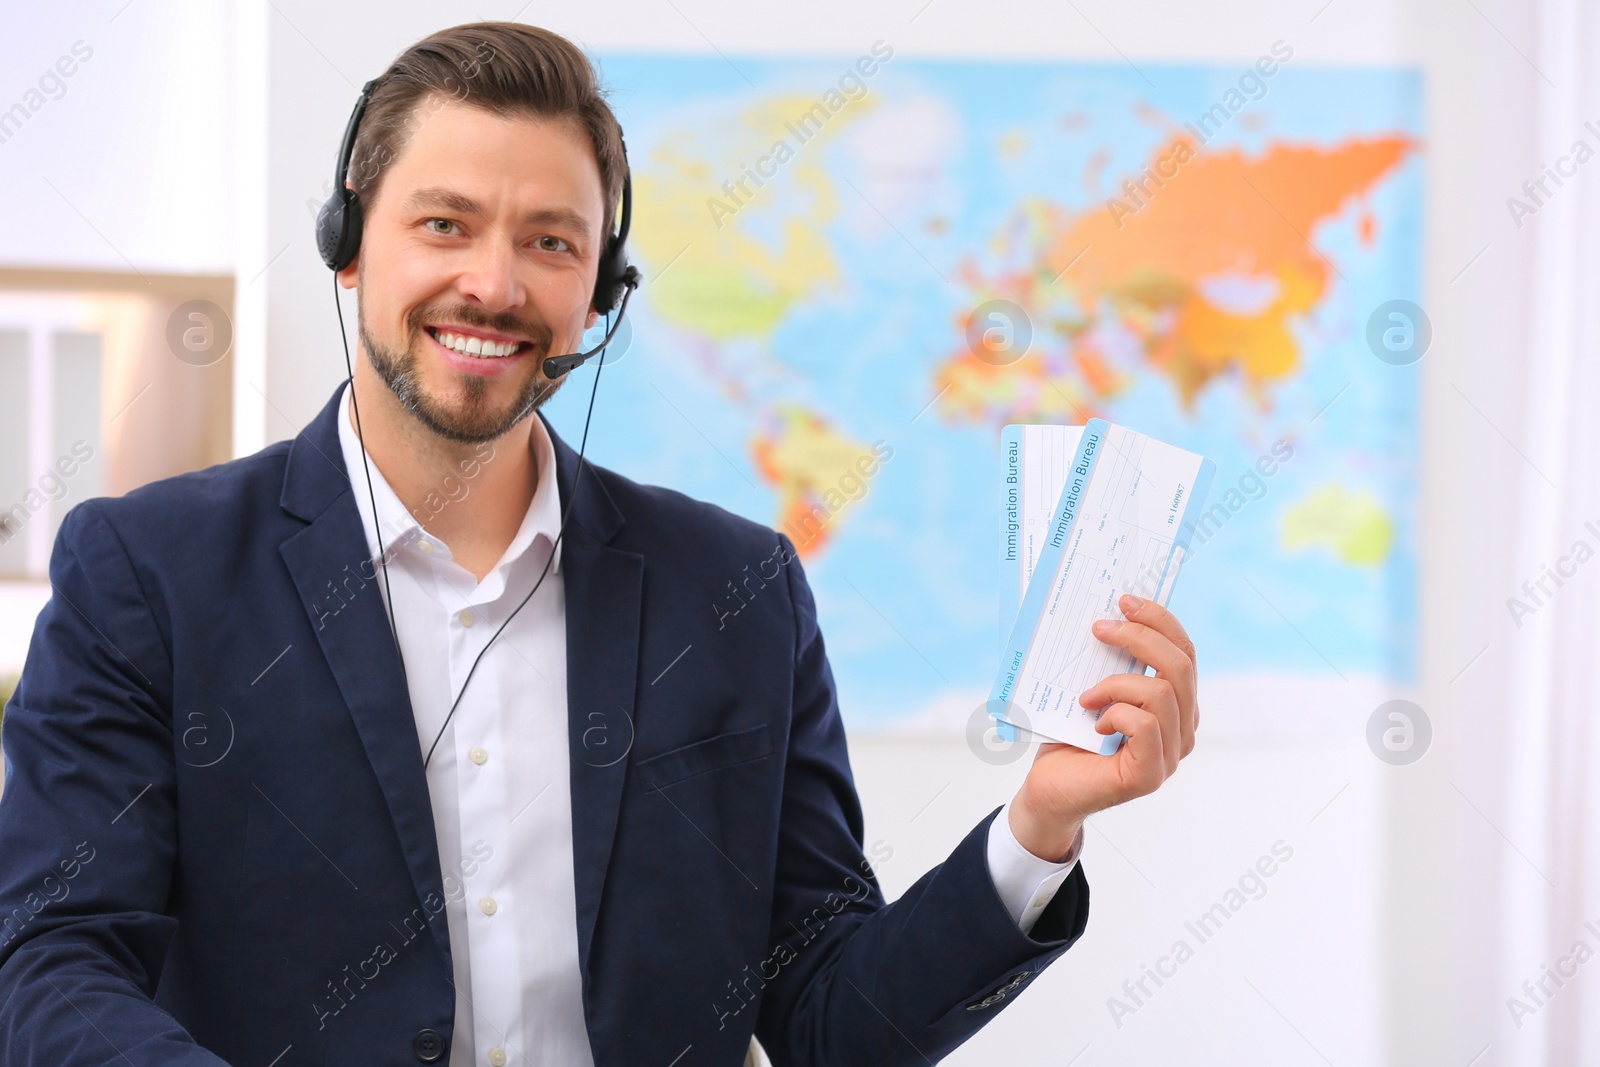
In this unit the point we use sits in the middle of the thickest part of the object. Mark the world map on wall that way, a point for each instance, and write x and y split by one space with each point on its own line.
858 269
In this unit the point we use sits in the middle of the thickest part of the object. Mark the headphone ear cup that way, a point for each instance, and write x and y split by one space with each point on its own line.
339 229
330 221
607 277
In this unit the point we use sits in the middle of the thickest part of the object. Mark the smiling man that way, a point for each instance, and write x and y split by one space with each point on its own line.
412 740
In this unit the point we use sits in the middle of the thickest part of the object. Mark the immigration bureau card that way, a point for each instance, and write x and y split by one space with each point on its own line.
1087 513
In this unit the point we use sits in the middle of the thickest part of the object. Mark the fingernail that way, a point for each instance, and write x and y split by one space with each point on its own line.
1104 625
1132 603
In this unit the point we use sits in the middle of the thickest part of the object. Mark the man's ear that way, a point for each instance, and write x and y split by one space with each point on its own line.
594 316
347 277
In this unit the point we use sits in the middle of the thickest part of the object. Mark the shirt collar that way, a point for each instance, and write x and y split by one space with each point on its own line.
402 531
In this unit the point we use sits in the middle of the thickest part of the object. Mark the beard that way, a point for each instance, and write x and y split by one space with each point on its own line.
475 420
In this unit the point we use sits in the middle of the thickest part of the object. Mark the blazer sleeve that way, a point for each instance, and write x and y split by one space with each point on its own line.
87 821
852 980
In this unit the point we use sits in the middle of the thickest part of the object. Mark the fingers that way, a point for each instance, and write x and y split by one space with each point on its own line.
1153 635
1159 694
1155 695
1149 613
1143 756
1155 648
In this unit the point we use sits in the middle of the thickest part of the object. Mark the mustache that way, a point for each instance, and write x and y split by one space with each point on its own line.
536 332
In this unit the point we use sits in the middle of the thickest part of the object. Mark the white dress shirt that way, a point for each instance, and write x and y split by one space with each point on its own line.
499 779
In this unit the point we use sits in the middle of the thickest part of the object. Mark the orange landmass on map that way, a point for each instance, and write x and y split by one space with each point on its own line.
1141 265
818 472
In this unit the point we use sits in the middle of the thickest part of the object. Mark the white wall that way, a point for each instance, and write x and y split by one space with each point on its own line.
130 168
1367 948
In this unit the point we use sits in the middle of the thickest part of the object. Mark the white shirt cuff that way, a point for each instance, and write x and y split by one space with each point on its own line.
1025 882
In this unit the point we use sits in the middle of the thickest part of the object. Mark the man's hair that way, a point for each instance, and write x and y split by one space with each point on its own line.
507 68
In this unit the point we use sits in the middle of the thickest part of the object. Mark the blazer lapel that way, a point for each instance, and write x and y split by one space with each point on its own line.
356 642
604 591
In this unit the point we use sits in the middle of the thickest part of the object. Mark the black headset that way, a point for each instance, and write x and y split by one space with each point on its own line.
340 220
339 236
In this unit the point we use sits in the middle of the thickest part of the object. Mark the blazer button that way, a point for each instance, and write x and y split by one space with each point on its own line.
1016 980
428 1045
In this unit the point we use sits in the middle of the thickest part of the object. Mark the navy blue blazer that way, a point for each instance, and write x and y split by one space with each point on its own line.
216 842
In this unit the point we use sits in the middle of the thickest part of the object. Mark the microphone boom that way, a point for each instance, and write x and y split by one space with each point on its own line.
556 366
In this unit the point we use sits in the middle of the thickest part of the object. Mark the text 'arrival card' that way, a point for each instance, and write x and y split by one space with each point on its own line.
1088 513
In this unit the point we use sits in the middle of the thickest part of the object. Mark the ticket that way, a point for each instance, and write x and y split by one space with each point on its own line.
1088 513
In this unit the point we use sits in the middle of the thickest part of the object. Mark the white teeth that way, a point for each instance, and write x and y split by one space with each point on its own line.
474 346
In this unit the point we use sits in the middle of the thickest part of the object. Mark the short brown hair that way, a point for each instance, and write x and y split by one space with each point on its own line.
508 68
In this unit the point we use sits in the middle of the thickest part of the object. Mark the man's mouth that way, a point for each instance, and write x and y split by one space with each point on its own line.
477 344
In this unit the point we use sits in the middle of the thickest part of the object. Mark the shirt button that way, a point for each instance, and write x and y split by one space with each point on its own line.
497 1057
487 905
479 756
465 617
425 546
1040 901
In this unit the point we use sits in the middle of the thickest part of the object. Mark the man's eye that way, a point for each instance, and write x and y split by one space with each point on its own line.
446 222
551 243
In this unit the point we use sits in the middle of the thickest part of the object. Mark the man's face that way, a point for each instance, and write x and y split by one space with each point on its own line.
485 229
